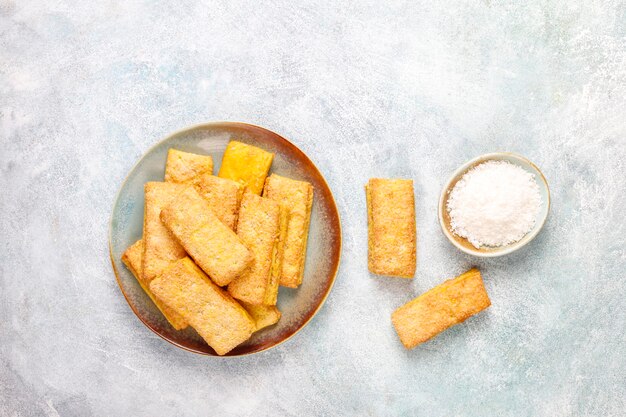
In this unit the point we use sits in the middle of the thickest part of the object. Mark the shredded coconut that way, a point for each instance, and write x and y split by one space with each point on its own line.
494 204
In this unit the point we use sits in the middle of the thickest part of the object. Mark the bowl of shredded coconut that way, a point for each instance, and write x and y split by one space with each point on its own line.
494 204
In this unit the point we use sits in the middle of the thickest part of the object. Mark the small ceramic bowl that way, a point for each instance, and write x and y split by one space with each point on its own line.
485 252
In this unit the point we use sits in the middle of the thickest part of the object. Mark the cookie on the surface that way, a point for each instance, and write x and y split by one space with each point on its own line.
391 227
439 308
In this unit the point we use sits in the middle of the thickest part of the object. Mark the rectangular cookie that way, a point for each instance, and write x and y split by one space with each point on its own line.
441 307
132 259
160 247
247 164
212 245
223 196
391 227
296 197
185 167
262 315
258 228
216 316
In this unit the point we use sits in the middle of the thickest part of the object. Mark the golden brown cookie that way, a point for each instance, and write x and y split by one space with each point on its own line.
132 259
444 306
262 315
223 196
247 164
185 167
160 247
258 228
216 316
391 227
212 245
296 197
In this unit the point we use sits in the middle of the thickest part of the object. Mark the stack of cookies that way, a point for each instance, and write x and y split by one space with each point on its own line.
215 249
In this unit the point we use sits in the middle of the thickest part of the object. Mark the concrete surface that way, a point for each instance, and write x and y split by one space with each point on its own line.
366 89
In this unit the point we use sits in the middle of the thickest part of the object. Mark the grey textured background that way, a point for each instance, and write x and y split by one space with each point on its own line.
366 89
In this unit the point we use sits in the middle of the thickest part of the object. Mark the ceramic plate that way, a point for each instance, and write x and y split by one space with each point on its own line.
299 305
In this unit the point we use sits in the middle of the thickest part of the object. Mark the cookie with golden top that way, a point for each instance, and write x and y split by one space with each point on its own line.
185 167
212 245
160 247
246 164
262 315
223 196
216 316
441 307
132 259
258 228
296 197
391 227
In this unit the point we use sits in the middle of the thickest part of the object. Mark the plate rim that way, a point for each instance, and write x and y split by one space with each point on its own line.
333 207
